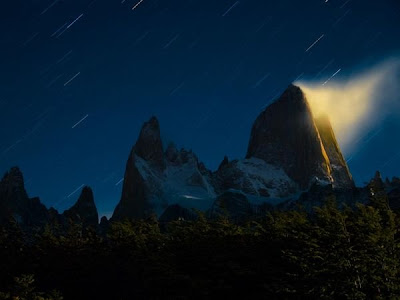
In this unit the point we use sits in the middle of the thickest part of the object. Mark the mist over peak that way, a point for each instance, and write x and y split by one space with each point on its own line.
356 103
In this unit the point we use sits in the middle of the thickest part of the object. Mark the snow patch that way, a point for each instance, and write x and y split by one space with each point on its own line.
264 176
177 184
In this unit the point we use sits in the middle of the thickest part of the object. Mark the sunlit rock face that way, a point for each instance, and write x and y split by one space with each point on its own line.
339 169
286 134
348 107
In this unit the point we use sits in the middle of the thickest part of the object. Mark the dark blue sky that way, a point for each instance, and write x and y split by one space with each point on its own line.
204 68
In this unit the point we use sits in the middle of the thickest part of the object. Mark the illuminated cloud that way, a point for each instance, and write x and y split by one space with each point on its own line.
356 104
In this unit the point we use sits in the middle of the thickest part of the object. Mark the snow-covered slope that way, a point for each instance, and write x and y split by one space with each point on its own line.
260 181
181 184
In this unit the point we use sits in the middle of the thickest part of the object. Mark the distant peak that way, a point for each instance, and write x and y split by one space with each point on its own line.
84 210
86 195
85 199
14 177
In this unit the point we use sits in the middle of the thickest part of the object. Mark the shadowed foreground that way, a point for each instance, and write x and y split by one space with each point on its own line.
329 254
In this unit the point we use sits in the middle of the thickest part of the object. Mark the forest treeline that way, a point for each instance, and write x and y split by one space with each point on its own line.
330 253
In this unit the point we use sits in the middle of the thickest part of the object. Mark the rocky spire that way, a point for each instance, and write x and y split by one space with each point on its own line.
285 134
149 145
84 210
134 202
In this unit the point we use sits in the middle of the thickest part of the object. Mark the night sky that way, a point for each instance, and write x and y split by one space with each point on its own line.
205 68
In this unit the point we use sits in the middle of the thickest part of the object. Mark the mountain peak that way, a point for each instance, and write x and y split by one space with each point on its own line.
285 134
14 177
293 89
84 210
149 145
13 184
293 94
86 197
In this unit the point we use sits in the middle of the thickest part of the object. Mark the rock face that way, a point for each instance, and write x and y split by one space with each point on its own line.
134 202
84 211
15 203
286 134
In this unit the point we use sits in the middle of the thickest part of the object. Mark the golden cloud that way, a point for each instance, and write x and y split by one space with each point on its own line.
353 104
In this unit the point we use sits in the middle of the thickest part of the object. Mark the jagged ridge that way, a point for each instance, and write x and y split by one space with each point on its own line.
288 152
